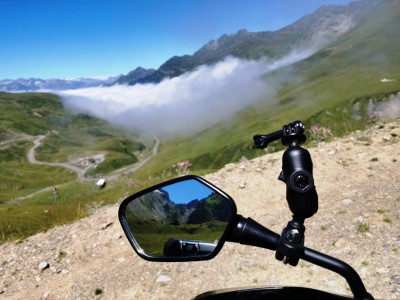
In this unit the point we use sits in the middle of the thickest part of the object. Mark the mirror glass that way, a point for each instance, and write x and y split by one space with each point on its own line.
182 219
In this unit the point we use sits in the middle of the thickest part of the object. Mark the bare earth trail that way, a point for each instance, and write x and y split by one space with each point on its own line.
358 182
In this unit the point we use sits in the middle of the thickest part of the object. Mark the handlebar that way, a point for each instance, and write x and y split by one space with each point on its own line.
249 232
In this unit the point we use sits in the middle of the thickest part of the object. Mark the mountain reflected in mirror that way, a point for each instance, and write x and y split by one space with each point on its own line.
186 218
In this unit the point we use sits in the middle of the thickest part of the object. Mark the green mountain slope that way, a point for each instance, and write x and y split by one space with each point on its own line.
338 87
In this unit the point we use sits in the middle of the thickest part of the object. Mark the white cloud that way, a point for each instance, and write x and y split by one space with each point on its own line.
184 104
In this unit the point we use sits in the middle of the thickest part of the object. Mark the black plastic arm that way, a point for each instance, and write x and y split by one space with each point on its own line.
262 141
292 133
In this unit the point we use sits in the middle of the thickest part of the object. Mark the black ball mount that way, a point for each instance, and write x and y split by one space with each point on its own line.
301 195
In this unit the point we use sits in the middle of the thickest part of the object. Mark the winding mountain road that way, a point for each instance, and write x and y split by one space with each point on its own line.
81 172
32 159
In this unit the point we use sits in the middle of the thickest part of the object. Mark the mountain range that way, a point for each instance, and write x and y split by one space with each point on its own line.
159 206
314 31
36 84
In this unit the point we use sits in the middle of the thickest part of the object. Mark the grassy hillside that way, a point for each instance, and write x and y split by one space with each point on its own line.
35 197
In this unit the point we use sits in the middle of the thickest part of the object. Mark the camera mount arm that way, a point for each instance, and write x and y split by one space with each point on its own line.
301 195
291 133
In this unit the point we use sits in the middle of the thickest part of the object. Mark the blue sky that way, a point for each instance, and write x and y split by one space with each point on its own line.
186 191
88 38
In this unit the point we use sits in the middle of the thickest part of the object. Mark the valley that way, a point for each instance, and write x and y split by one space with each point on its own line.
350 83
72 149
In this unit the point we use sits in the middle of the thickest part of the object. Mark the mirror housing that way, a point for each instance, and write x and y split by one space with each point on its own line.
183 219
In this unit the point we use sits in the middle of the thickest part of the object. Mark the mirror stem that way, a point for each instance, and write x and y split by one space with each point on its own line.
249 232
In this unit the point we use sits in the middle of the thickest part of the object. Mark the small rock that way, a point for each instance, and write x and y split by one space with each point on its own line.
340 243
387 138
347 201
163 279
332 283
242 185
55 270
120 260
395 279
230 167
43 265
395 290
382 270
117 236
243 159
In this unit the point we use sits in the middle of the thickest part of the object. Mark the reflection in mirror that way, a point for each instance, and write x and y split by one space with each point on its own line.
186 218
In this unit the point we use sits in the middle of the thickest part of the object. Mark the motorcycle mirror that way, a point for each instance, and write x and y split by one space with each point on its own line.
183 219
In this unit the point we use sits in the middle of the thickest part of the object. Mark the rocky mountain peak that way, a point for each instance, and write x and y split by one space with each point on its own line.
314 30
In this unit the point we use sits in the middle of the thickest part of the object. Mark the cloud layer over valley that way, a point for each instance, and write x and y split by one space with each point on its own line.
185 104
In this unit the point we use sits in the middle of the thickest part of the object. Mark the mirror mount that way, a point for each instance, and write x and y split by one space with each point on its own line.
291 243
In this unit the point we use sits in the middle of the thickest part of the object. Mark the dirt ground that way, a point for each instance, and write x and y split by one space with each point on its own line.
358 182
